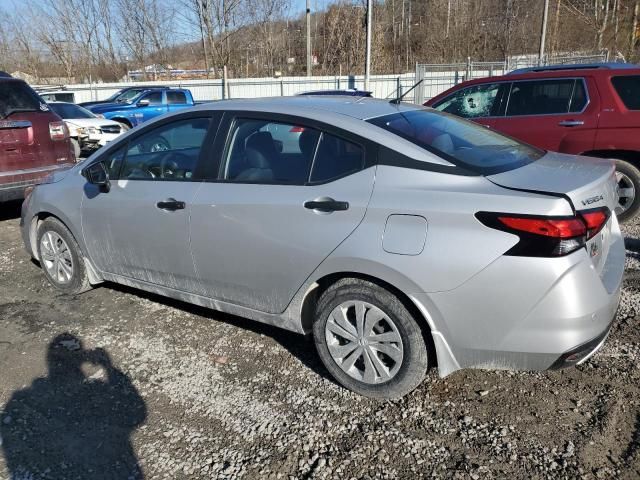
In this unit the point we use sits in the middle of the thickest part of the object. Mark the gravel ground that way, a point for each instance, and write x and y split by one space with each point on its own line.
116 383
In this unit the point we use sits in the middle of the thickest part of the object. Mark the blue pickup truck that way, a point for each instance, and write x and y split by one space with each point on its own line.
145 106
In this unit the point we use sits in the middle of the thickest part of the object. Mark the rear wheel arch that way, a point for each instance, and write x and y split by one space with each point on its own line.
631 156
324 283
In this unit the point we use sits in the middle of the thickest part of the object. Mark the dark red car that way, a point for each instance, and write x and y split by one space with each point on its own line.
34 141
589 110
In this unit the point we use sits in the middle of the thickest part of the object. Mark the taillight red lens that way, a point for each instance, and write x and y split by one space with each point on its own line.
549 227
595 220
58 131
296 129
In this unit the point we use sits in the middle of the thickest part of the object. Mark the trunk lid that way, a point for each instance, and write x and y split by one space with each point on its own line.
587 182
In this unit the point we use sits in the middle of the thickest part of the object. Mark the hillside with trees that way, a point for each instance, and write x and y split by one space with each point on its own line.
103 39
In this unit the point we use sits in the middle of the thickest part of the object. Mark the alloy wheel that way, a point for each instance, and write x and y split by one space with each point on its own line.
56 257
626 192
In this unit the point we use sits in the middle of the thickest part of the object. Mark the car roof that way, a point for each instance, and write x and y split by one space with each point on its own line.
578 66
362 108
344 92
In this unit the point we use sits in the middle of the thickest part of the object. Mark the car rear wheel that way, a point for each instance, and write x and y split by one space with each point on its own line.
368 340
628 178
60 258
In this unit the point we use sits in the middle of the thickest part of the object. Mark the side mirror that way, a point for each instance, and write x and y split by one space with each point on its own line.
97 174
143 103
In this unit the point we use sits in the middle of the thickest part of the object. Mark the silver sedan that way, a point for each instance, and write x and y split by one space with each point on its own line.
399 237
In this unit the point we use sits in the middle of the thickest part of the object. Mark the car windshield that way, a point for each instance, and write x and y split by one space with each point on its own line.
461 142
129 95
69 111
18 97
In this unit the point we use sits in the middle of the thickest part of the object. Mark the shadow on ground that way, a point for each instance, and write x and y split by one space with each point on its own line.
70 424
300 346
10 210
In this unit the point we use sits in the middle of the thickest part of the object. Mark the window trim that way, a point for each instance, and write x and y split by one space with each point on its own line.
215 119
225 137
508 95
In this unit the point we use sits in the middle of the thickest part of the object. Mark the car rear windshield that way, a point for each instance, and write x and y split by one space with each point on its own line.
461 142
628 88
16 96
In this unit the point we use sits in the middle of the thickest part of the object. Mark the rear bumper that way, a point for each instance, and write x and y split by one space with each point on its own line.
531 314
13 183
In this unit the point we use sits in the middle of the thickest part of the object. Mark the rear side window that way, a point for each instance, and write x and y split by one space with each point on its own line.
269 152
628 89
472 102
176 98
461 142
335 158
545 97
16 96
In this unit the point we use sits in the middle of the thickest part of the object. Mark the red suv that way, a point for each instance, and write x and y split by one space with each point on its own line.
589 110
34 141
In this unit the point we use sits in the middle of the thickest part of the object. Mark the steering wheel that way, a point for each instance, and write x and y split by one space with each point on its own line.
171 162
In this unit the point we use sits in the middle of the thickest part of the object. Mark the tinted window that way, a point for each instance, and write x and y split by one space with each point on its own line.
18 96
169 152
335 158
270 152
472 102
459 141
628 88
126 96
154 98
176 98
67 111
113 162
540 97
579 99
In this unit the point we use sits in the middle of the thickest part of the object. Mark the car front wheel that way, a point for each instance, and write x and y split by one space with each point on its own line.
368 340
60 258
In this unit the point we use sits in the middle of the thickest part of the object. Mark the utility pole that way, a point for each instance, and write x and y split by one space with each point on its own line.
543 34
308 38
367 65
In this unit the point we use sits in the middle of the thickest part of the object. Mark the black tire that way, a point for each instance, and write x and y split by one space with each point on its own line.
633 175
124 126
79 281
415 361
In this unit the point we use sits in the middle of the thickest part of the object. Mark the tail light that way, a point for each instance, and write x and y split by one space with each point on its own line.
296 129
547 236
58 131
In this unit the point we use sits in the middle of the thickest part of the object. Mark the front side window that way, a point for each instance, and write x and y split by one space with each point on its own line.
263 151
472 102
462 142
545 97
154 98
168 152
628 89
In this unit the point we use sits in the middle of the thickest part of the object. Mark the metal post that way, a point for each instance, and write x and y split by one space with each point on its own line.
543 34
308 38
367 65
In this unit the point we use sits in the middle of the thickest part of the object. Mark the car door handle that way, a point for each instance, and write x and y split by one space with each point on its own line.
171 205
570 123
326 204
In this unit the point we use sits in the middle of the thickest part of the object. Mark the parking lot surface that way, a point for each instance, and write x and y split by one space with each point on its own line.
117 383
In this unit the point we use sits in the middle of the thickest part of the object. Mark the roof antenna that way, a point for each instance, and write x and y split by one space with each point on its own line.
397 100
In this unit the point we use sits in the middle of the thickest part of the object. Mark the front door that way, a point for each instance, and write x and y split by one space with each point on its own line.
140 228
286 197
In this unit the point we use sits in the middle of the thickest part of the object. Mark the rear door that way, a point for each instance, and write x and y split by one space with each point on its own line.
272 214
554 114
176 100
